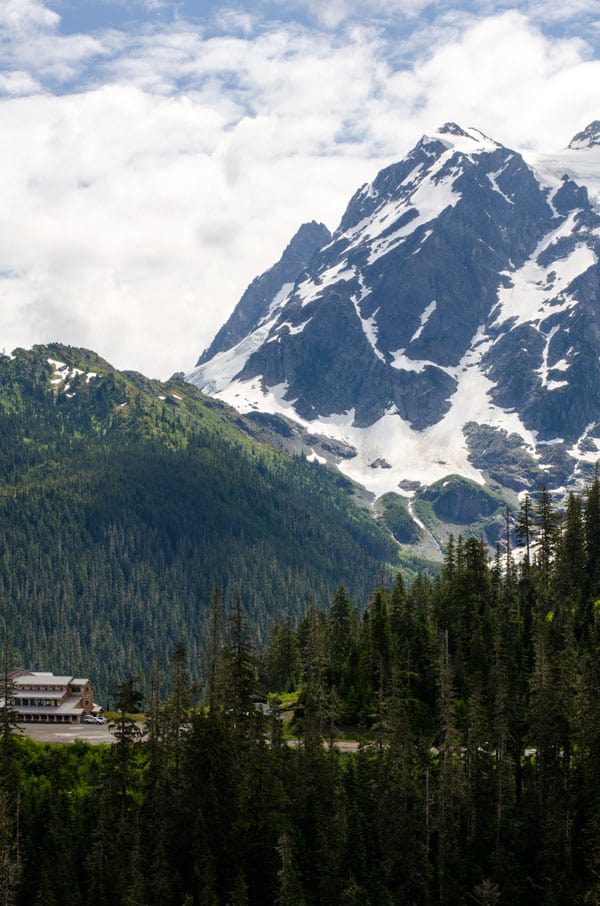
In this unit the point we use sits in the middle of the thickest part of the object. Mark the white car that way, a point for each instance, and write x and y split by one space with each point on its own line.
92 719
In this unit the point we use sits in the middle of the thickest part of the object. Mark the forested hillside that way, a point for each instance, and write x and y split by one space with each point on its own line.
125 501
477 701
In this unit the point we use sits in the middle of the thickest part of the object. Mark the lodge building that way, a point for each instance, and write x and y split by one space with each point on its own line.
45 698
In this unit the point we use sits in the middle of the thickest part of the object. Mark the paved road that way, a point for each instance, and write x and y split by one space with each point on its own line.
92 733
99 733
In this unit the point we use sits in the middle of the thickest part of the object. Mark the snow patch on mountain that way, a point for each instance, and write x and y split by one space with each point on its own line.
536 290
425 316
493 178
581 448
423 194
313 287
426 204
214 375
468 140
403 363
278 300
544 369
420 456
369 325
314 457
287 328
63 376
582 165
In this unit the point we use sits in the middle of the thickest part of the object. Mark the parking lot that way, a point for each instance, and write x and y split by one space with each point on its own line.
66 733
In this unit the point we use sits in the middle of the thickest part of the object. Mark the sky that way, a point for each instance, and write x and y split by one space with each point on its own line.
156 155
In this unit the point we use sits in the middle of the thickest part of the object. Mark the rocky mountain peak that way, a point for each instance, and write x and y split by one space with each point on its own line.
450 325
260 296
587 138
453 129
467 140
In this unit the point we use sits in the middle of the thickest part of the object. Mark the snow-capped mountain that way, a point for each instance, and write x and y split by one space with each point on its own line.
451 324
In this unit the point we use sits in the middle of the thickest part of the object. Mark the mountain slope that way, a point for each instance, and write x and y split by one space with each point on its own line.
266 292
450 326
124 501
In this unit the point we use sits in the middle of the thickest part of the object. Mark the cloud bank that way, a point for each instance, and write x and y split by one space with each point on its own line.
149 172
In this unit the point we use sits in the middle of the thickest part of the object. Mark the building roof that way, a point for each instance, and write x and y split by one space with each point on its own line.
42 679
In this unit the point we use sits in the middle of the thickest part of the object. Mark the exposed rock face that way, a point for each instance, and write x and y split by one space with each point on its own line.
588 137
457 500
254 304
389 304
451 324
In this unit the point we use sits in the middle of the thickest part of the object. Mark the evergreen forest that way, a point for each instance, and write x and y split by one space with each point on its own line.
125 501
475 700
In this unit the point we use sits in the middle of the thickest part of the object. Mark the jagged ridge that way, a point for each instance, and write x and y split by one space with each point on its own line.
455 305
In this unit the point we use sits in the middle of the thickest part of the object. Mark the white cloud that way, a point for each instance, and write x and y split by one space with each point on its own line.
135 220
506 77
336 12
19 17
233 21
559 11
57 59
32 46
18 82
136 211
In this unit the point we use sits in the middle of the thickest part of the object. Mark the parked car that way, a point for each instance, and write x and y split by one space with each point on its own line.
93 719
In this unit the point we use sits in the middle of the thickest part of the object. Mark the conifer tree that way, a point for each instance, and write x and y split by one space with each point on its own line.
378 642
401 808
127 732
10 858
525 530
505 738
281 664
290 891
571 560
592 535
9 718
134 886
313 703
550 726
547 524
400 623
449 799
587 767
449 567
479 790
176 711
214 681
339 634
240 673
509 571
97 874
239 894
